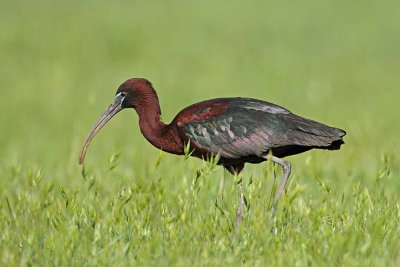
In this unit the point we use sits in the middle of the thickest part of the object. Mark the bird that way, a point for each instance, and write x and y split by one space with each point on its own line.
234 130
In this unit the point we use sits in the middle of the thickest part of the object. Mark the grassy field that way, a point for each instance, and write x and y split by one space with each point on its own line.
333 61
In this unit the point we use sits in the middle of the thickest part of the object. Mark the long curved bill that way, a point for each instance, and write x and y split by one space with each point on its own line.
113 109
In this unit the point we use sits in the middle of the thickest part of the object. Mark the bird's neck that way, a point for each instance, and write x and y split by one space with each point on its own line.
162 136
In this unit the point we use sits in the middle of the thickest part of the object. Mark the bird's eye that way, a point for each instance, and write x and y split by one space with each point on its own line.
123 94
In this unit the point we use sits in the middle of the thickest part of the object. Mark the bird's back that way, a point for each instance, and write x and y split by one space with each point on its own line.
245 128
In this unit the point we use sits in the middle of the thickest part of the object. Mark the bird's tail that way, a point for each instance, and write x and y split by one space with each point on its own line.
311 133
335 145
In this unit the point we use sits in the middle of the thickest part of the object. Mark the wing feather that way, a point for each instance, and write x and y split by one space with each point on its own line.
250 127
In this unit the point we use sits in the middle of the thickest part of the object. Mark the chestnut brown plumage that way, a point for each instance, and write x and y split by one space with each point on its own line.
238 130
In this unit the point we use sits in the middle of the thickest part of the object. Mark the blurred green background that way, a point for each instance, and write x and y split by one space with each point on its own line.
336 62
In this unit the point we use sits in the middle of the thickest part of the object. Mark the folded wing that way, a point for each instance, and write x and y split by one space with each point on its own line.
250 127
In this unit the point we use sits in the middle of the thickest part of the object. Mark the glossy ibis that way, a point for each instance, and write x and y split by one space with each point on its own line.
238 130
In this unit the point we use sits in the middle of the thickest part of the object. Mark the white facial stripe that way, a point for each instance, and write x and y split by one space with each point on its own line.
119 96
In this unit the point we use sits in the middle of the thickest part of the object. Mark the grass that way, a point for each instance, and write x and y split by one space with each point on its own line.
336 62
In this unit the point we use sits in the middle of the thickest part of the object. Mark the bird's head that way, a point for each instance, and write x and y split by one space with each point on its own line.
131 94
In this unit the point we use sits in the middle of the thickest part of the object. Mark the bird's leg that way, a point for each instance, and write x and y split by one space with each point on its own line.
222 188
240 210
236 170
286 172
